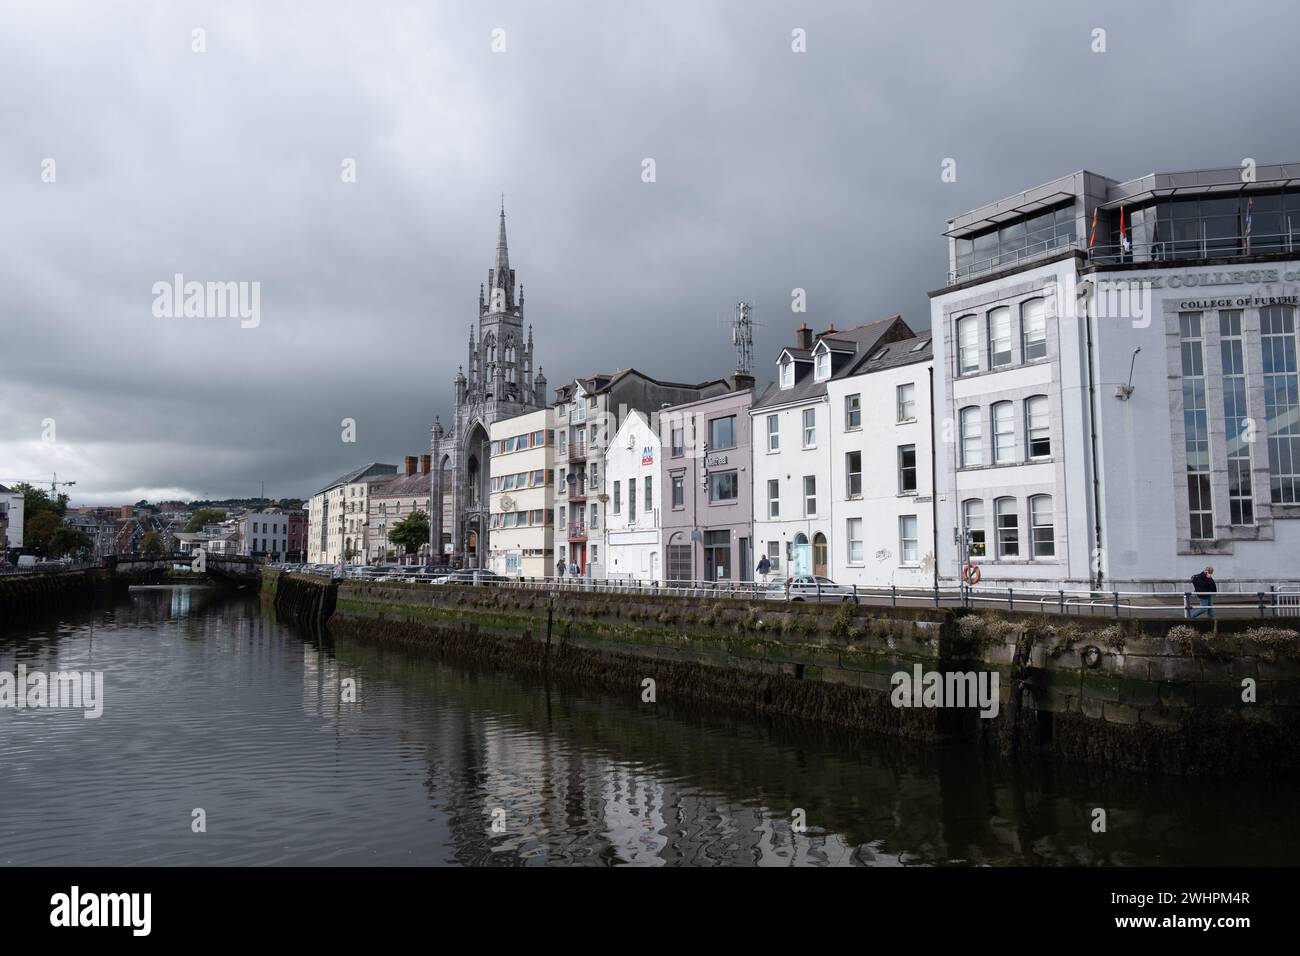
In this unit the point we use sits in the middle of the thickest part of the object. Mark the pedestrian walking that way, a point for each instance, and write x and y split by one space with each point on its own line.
1205 587
559 568
764 567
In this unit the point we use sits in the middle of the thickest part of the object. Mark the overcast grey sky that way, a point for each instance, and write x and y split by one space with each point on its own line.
775 170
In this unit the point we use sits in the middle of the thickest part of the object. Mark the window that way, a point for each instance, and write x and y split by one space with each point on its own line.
1042 536
1033 330
562 517
1241 500
907 402
809 496
972 439
972 520
679 491
773 433
908 552
1004 433
679 442
1281 402
853 411
722 433
631 499
853 534
906 468
594 515
823 366
1038 427
1004 512
787 374
723 486
774 554
649 494
853 474
1000 337
968 345
773 498
809 427
1196 428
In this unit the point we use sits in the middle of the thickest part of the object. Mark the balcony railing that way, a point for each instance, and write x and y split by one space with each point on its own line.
578 531
577 451
1163 250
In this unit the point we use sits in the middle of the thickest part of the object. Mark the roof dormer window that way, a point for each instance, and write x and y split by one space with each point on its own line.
787 372
822 365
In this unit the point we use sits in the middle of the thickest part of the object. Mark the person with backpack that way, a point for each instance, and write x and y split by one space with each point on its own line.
1203 581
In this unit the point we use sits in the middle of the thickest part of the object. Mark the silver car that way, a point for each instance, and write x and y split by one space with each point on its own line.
810 587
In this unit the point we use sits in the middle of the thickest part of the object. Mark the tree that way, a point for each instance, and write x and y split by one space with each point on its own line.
37 500
411 532
152 543
38 531
204 516
67 540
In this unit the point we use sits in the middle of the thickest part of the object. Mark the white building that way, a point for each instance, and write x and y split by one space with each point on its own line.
1124 409
521 492
392 501
881 493
11 518
794 444
632 528
337 516
264 534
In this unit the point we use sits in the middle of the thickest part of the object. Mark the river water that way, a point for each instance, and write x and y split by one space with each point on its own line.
211 705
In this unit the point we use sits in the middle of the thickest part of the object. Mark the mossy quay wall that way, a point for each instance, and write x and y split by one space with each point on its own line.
1178 700
23 595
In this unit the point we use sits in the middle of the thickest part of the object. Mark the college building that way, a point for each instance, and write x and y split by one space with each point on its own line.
1116 383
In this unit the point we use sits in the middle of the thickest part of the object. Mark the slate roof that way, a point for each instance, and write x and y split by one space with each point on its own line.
864 339
374 468
900 352
401 486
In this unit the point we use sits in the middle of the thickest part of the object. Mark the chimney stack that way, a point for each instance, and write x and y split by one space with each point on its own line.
742 382
803 336
426 464
410 464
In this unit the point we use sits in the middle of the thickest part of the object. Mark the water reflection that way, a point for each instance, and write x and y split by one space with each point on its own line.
211 704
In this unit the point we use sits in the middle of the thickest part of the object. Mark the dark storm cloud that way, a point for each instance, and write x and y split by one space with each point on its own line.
775 170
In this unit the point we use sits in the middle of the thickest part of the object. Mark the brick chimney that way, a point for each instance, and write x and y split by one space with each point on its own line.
803 336
830 330
741 382
426 464
410 464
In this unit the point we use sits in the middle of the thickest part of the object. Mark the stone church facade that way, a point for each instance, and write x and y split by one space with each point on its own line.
498 382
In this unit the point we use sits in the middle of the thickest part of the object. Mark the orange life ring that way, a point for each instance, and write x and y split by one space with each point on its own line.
971 574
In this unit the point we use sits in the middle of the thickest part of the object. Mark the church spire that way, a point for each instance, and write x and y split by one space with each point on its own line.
503 254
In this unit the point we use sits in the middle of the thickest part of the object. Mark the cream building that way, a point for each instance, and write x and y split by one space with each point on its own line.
337 516
520 468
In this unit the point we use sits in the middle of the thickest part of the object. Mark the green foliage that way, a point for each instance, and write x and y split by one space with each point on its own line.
38 501
204 516
411 532
152 543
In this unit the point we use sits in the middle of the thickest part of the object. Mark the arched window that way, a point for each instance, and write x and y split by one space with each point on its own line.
1004 433
968 345
1038 427
1004 511
972 437
1033 330
1042 529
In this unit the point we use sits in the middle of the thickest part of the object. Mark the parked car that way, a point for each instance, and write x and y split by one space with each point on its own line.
810 587
472 576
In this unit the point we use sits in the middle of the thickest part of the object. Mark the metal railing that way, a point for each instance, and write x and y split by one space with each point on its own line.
1279 601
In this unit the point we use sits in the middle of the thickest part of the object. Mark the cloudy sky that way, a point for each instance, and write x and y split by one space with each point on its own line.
774 170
